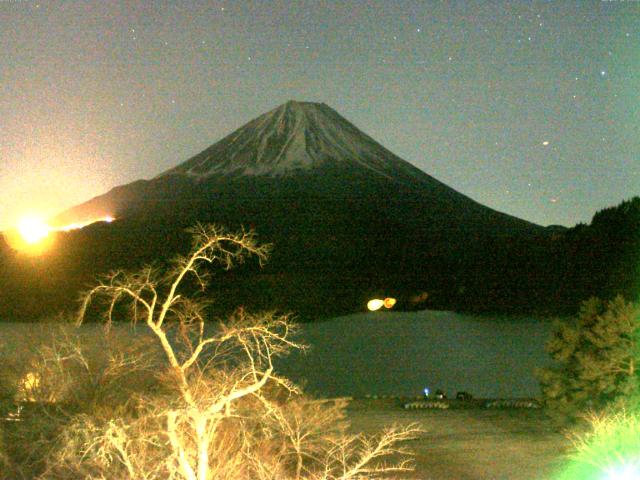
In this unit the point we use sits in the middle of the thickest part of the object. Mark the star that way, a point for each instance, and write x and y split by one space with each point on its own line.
603 73
545 143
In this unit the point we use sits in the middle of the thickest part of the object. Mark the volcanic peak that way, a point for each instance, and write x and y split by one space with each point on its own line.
292 138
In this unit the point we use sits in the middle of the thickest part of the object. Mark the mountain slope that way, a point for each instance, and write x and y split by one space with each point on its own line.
296 137
299 148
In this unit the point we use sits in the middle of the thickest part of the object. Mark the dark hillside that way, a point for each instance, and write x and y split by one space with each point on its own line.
603 258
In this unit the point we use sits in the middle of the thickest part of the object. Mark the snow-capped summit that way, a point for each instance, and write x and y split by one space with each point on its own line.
293 138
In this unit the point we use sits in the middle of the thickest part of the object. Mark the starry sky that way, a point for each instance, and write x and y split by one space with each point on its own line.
529 107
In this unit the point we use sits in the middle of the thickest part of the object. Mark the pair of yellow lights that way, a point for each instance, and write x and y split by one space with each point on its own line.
377 304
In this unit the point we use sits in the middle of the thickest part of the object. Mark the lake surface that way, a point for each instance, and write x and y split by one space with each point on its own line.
389 353
385 353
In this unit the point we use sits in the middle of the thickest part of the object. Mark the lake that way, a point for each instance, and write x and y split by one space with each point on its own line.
388 353
401 353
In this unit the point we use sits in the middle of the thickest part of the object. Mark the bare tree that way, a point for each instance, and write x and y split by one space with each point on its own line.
231 415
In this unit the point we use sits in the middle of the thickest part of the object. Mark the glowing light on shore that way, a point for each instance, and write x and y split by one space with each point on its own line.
375 304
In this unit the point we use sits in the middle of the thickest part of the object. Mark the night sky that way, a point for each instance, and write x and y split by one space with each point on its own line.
531 108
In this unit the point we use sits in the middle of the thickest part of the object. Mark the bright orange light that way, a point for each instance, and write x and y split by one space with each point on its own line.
375 304
31 236
34 236
33 230
389 302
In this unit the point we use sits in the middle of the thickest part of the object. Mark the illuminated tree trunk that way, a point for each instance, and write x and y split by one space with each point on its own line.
203 448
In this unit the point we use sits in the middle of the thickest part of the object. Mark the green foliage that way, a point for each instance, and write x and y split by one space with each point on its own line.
610 449
596 357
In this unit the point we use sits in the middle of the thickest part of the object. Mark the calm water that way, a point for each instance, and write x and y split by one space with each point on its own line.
388 353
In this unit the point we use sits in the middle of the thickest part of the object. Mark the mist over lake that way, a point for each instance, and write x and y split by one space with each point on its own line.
389 353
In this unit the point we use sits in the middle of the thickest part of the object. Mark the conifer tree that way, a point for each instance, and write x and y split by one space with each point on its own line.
596 360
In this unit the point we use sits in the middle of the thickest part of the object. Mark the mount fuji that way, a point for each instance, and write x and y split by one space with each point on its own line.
299 148
348 219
